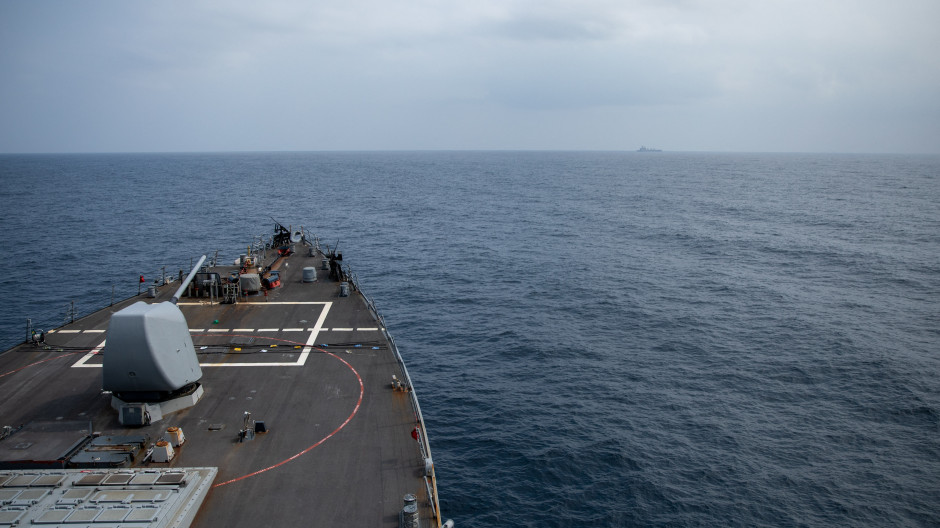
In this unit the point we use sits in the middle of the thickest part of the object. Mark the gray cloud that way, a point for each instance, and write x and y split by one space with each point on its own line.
728 75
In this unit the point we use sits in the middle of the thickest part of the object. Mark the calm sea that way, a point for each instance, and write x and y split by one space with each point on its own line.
597 339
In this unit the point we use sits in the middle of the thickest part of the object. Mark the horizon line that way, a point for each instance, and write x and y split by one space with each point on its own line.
442 150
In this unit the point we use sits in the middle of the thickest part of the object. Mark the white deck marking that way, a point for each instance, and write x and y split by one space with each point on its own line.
273 303
368 329
311 339
70 331
81 362
313 334
95 331
342 329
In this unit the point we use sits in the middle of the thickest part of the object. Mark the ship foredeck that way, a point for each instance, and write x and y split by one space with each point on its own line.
336 443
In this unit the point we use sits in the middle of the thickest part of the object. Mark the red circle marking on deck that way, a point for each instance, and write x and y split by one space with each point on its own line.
325 438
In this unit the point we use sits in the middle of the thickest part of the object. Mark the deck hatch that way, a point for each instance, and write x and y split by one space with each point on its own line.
91 480
129 496
150 495
53 517
112 515
74 497
147 515
119 496
172 478
29 497
7 496
83 515
48 481
11 517
144 479
117 479
20 481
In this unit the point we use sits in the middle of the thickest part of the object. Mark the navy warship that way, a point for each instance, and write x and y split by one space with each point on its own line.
265 391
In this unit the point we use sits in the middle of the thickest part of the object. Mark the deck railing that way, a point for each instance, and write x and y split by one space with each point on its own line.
430 480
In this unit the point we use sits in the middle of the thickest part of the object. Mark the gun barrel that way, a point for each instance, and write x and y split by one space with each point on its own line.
189 278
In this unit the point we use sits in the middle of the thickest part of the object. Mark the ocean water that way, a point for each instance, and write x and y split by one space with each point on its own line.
596 338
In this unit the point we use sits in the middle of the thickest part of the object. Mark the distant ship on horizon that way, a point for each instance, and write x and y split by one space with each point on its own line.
644 149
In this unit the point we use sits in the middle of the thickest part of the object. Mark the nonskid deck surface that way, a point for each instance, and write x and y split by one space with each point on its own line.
314 367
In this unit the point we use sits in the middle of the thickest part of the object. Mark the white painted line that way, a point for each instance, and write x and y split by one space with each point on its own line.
243 330
197 330
95 331
313 335
368 329
69 331
259 364
81 362
272 303
342 329
311 339
287 303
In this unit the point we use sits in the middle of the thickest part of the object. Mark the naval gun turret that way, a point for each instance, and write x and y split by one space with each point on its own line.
150 364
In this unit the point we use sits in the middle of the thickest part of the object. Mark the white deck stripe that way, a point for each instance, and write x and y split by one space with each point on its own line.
313 335
243 330
81 362
311 340
95 331
69 331
273 303
342 329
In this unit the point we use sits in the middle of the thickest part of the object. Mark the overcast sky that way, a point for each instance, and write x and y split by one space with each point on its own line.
726 75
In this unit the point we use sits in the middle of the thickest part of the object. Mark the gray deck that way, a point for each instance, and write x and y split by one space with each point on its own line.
339 451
